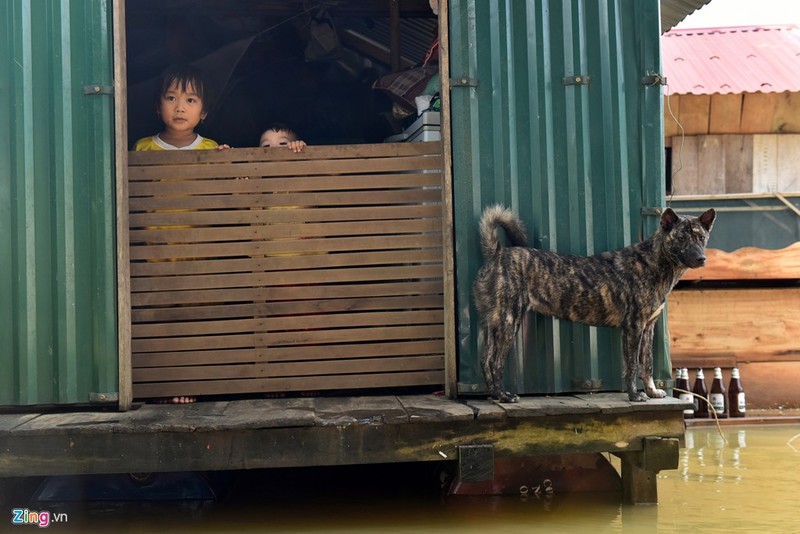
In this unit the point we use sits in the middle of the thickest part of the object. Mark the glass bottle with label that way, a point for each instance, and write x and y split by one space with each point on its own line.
717 398
736 402
683 383
700 395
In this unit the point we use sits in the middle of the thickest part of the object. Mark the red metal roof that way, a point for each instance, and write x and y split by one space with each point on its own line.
742 59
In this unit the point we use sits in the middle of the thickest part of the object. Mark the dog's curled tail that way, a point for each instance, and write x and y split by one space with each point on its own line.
497 215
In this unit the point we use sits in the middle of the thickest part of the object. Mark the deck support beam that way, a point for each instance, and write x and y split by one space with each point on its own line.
640 469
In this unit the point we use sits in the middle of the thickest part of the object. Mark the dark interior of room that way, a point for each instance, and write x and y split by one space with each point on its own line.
309 64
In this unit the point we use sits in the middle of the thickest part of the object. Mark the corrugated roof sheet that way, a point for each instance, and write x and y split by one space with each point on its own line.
674 11
742 59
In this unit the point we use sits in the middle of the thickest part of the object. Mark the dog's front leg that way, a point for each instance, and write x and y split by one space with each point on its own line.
646 363
631 344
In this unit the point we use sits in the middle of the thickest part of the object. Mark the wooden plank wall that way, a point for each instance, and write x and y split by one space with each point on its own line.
729 326
735 163
743 113
259 270
733 143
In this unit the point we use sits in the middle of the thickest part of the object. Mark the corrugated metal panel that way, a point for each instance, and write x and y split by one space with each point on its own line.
57 271
747 59
578 162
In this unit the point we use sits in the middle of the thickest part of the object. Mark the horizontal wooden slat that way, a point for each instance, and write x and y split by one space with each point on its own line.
295 354
299 307
272 370
743 323
258 154
349 335
284 278
287 293
285 230
272 168
283 263
302 215
297 337
285 246
279 185
286 200
302 383
749 264
276 323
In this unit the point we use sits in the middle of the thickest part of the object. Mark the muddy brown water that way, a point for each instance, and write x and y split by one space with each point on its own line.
746 479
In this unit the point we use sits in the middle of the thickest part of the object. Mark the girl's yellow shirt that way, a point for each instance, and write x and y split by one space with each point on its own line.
154 142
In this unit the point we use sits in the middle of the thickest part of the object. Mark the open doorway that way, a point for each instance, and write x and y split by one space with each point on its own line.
270 272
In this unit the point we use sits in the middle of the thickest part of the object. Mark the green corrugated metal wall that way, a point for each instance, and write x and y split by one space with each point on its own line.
58 340
578 162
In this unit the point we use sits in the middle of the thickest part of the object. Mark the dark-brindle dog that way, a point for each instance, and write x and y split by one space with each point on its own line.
623 288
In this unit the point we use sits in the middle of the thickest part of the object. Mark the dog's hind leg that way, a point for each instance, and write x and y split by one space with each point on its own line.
631 345
646 363
499 341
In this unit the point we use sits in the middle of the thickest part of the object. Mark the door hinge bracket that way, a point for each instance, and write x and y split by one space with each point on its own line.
102 398
576 80
98 89
651 212
654 78
463 82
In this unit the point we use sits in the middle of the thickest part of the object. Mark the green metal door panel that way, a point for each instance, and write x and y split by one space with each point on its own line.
550 116
57 250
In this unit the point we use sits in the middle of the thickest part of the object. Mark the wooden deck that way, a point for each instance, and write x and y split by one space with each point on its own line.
294 432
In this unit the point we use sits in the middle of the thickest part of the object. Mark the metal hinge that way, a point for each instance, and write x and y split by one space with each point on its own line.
104 397
652 212
98 89
576 80
463 82
654 78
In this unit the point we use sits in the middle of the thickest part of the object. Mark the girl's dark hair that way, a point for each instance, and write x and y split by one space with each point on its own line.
185 75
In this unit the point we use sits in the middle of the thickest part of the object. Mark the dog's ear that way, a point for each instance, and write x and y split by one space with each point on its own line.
668 219
707 219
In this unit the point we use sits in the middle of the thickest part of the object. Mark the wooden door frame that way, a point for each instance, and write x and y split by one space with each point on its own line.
121 181
450 337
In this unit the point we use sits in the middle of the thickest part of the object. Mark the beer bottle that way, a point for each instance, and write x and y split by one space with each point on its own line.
717 397
700 395
675 393
736 401
683 383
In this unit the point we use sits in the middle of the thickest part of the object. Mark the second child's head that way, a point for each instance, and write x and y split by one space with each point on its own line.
278 134
182 99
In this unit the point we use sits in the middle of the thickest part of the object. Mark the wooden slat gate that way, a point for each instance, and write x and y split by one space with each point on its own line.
258 270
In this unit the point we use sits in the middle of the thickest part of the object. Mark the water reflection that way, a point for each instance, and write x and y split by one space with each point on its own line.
743 480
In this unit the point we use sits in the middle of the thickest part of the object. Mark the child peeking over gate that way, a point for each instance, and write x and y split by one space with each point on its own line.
278 134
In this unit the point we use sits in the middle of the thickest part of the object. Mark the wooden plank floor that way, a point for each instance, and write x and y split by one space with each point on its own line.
293 432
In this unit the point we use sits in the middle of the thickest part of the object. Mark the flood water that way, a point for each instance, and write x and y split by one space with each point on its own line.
746 479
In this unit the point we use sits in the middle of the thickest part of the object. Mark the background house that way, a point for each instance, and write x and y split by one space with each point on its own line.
732 109
732 142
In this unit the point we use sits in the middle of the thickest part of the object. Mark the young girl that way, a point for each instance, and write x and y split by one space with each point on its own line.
181 107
